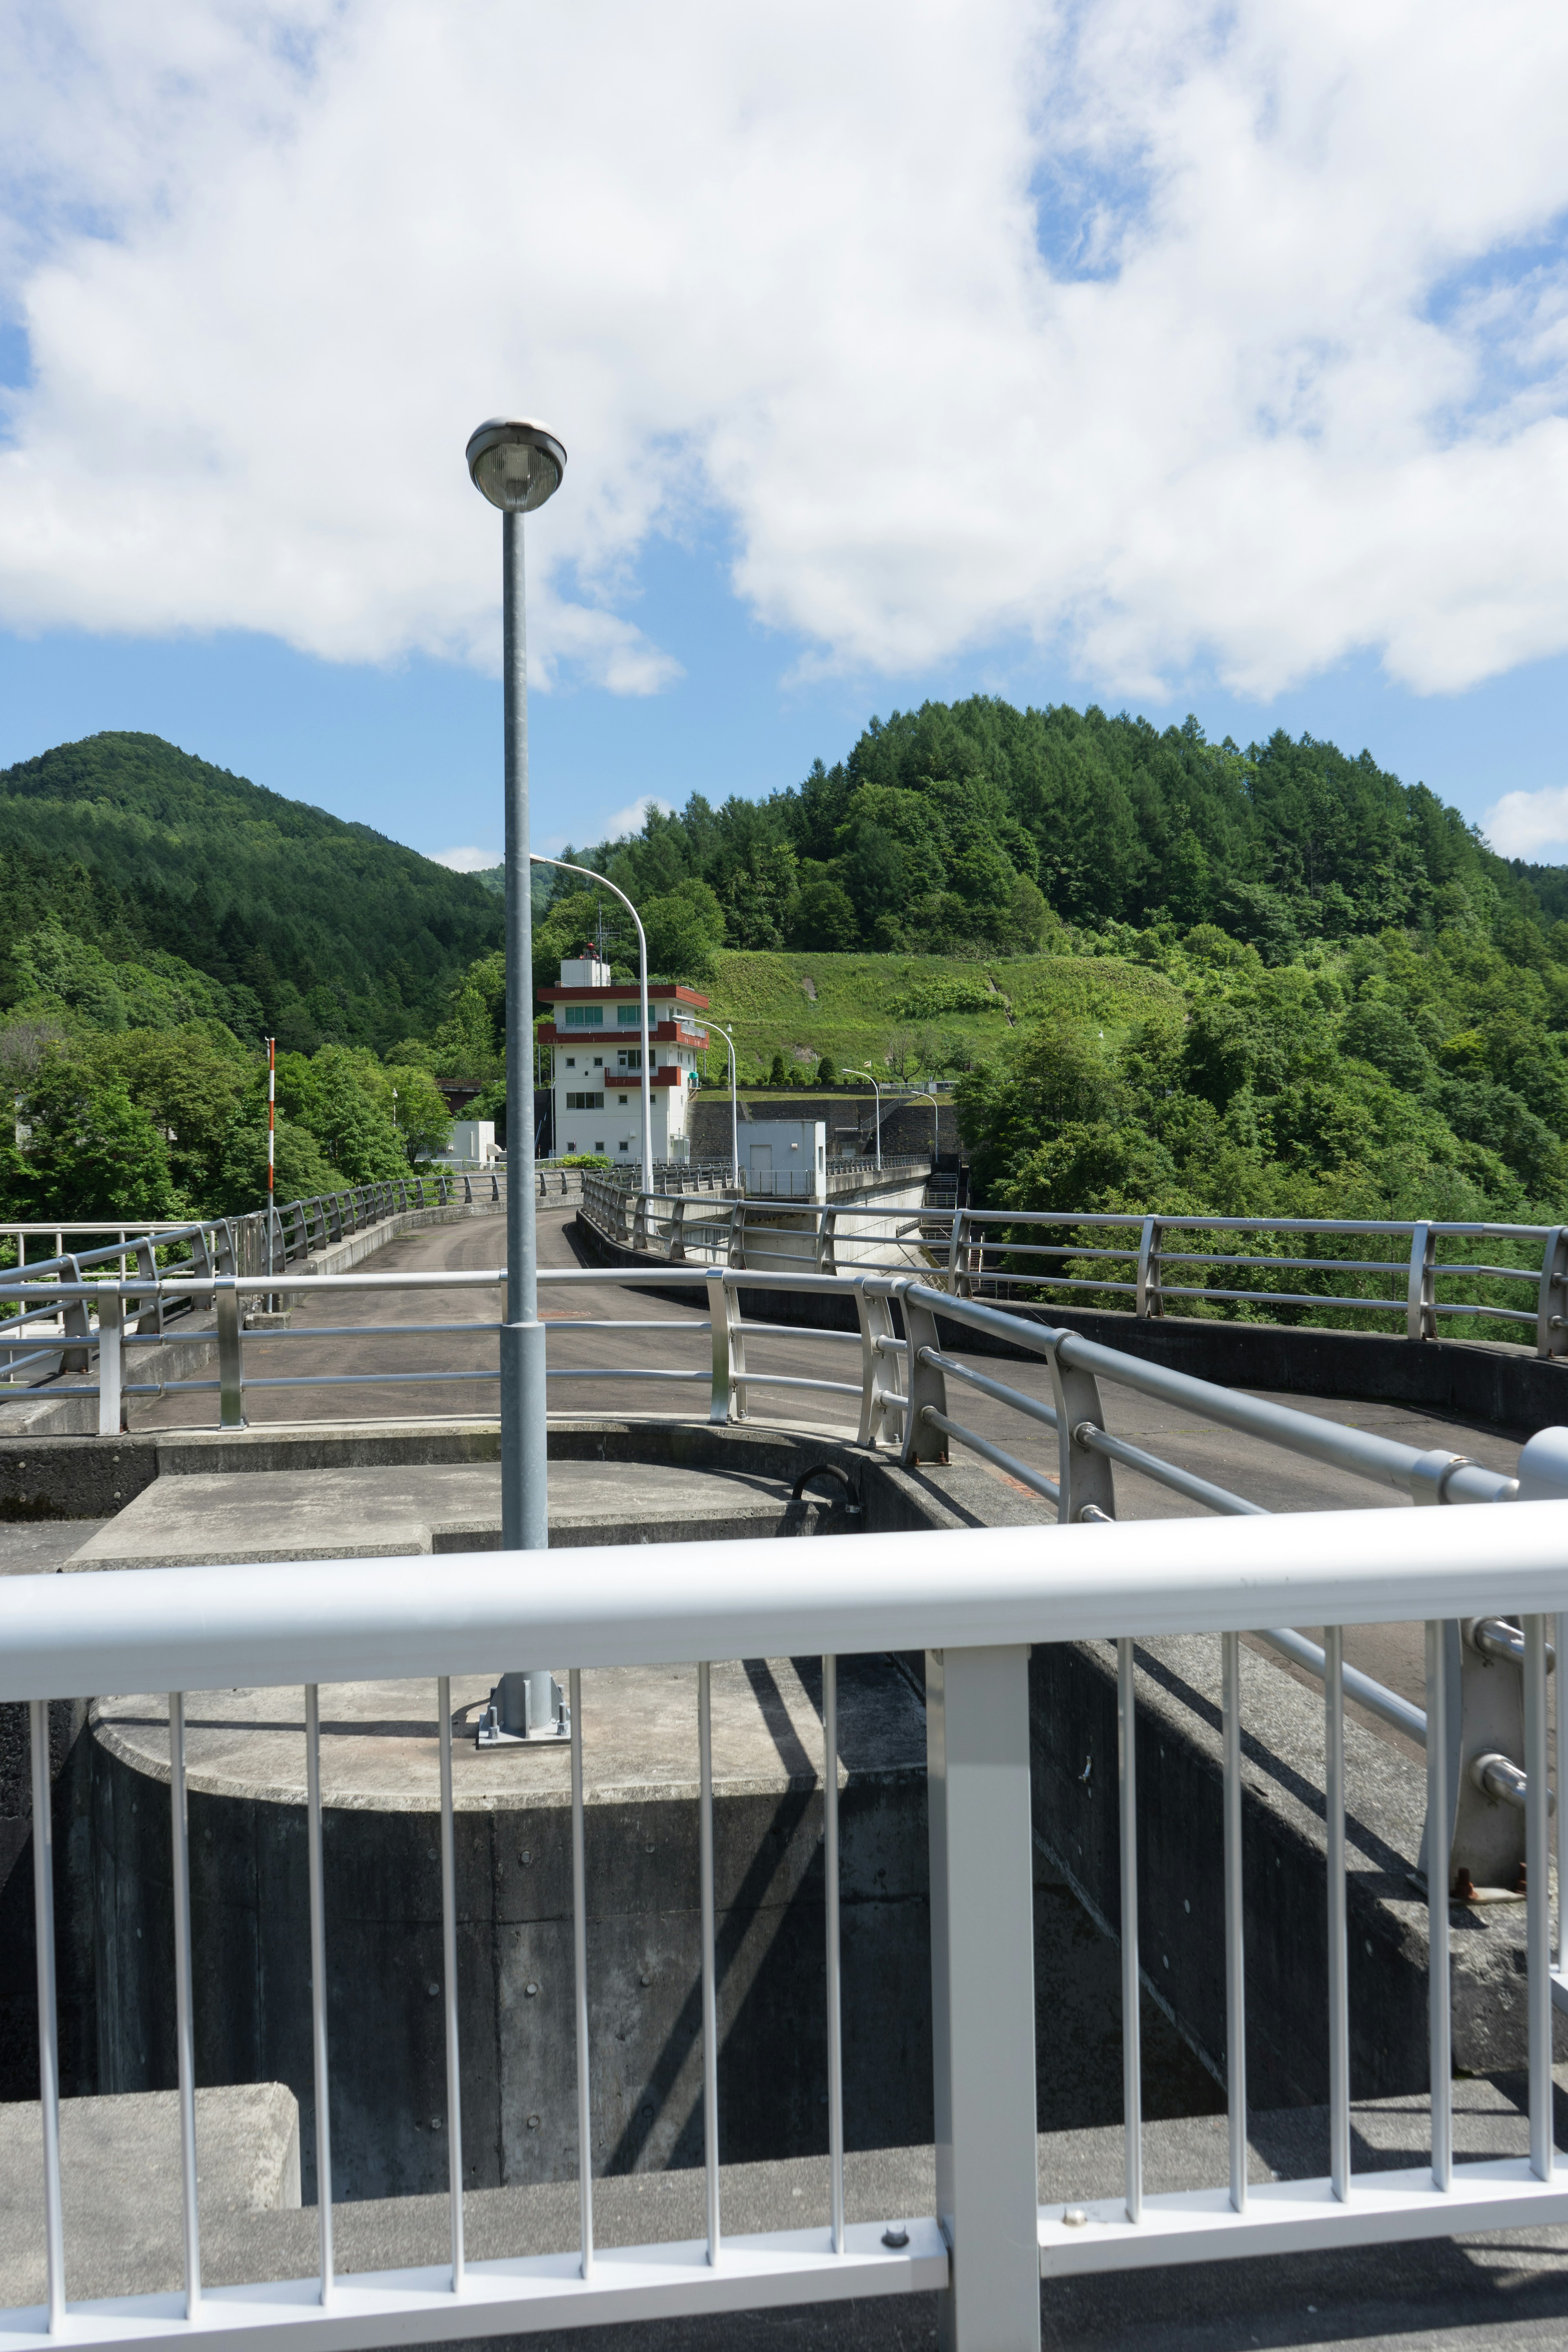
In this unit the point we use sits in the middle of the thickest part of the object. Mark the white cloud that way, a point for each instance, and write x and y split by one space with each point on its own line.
1523 824
1284 376
466 861
634 816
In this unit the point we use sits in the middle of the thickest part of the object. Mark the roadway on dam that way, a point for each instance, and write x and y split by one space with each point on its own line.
667 1340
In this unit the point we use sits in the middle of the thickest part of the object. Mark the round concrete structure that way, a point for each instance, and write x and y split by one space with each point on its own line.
245 1768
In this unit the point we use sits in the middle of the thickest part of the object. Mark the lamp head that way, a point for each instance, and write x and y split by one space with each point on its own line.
516 462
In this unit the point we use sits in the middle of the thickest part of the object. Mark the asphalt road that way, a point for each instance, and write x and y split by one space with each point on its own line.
666 1340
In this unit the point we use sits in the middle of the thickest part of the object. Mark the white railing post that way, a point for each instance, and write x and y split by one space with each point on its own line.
957 1272
151 1317
878 1370
1420 1323
827 1241
728 1402
737 1253
983 1995
74 1325
1551 1319
110 1324
230 1358
639 1222
1147 1300
678 1231
924 1385
201 1262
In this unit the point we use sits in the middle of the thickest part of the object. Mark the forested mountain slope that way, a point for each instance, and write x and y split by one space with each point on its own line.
963 829
251 907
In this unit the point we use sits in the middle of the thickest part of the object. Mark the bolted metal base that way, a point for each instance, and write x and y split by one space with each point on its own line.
525 1710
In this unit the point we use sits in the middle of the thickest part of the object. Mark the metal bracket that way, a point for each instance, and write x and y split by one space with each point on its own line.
924 1385
527 1710
1086 1481
1429 1476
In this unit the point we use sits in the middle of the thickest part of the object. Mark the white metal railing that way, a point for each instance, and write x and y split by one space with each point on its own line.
981 1252
975 1601
54 1299
900 1398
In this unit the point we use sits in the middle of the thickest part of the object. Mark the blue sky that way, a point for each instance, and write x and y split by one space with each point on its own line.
414 746
1145 355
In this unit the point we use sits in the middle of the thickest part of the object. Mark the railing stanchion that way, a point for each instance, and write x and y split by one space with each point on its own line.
449 1985
719 1300
982 1993
48 2012
1132 1990
111 1361
1538 1895
1338 1942
1234 1925
1420 1298
230 1356
184 2022
580 1983
1439 1999
710 1957
835 1982
319 1984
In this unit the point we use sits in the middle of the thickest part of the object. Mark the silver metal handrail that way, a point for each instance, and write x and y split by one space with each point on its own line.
989 1250
975 1601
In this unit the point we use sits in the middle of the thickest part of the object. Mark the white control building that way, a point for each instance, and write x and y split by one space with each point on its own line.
596 1055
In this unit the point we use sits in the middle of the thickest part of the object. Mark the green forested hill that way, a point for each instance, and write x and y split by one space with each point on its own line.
302 925
966 828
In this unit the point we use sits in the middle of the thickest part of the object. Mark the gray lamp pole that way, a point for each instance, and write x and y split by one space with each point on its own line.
735 1113
517 464
876 1090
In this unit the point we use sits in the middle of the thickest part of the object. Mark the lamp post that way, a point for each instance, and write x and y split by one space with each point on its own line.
876 1090
735 1114
642 976
517 464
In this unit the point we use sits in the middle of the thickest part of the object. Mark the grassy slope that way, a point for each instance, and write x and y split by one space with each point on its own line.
868 1007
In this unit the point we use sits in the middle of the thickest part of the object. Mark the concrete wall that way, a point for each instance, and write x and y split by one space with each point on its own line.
384 1939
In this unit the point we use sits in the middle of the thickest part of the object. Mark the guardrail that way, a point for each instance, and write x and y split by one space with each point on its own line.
901 1401
53 1304
980 1252
973 1601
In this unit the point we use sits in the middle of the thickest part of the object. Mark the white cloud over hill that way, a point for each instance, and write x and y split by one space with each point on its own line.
1172 334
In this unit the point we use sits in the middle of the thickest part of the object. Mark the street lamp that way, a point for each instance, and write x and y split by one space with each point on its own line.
876 1090
735 1114
642 976
517 464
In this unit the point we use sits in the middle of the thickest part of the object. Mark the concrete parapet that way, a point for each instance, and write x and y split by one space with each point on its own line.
121 2178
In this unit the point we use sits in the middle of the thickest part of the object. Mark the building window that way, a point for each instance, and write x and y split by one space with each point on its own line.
585 1102
584 1016
629 1059
625 1144
630 1015
622 1100
571 1061
598 1146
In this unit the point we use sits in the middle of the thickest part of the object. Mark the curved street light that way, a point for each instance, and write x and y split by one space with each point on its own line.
517 463
642 977
735 1114
876 1090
